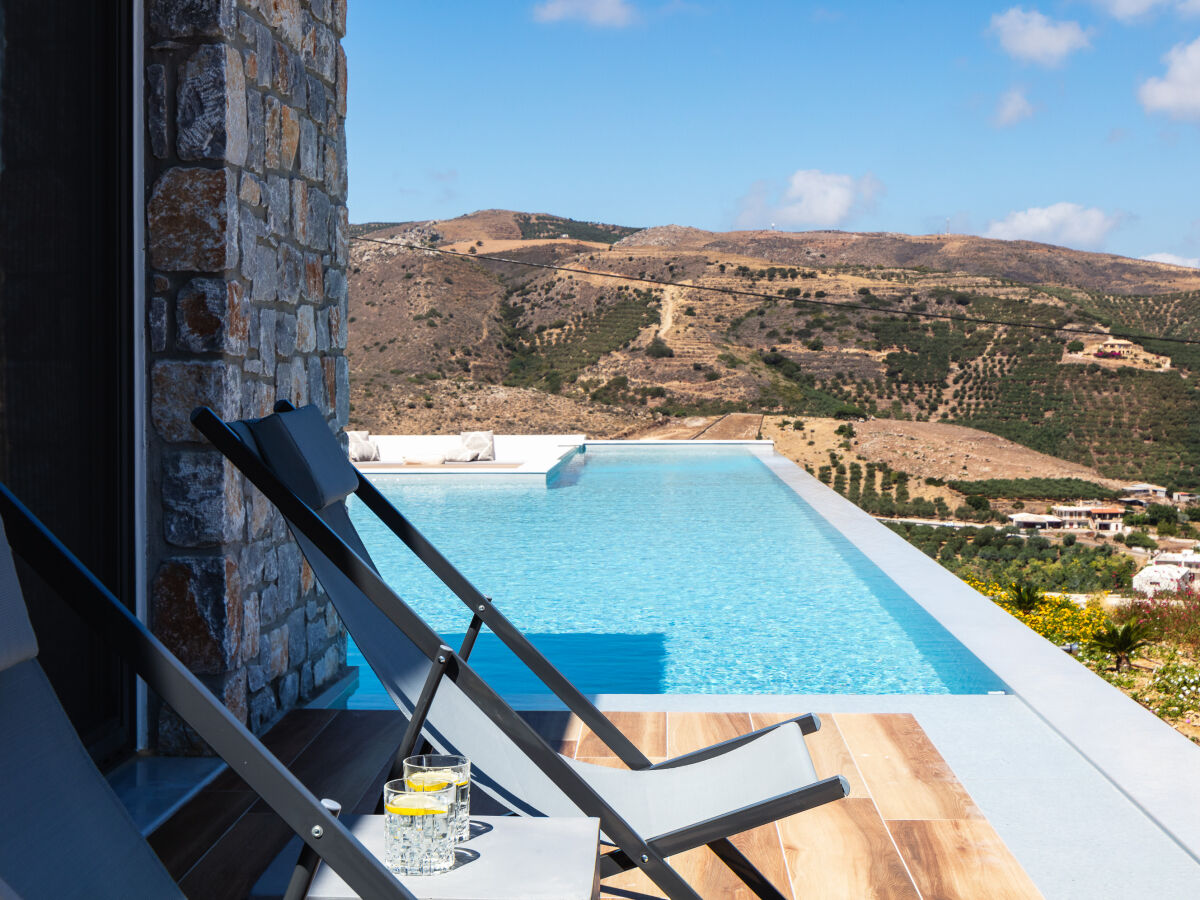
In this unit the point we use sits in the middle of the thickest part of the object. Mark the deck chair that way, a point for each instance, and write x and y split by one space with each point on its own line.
67 835
647 812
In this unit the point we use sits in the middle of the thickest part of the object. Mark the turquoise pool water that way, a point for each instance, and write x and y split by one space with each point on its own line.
685 569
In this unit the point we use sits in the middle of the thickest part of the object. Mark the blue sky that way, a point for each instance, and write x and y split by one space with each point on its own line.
1074 122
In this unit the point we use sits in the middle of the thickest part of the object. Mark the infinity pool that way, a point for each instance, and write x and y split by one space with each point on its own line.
650 569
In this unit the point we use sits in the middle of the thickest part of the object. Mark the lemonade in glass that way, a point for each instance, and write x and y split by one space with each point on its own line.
431 772
418 835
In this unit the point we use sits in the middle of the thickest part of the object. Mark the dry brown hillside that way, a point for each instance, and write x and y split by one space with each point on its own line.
819 324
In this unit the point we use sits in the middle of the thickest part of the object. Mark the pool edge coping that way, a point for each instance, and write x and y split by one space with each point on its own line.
1144 758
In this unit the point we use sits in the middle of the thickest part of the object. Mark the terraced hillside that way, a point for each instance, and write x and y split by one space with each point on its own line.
818 324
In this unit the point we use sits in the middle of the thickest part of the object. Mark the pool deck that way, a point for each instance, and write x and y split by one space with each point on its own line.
1062 787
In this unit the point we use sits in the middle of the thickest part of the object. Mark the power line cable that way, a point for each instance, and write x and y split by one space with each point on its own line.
738 292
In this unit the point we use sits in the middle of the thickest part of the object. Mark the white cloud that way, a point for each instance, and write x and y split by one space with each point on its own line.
812 198
1032 37
1125 10
1128 10
1012 108
1174 260
1068 224
605 13
1177 93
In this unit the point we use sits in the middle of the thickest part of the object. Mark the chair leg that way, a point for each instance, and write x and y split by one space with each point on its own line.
745 870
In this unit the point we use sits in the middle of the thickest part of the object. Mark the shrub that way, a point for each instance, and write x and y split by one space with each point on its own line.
658 349
1122 641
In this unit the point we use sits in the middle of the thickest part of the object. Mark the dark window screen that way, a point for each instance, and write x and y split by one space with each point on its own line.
66 324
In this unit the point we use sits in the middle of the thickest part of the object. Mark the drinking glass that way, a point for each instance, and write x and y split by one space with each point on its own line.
432 772
417 837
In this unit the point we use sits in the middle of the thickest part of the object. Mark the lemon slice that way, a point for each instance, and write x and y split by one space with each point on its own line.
412 811
433 780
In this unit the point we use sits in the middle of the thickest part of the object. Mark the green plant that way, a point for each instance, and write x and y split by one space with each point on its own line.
1122 641
658 349
1024 596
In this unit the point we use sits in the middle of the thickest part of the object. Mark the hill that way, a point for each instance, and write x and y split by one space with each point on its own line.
433 332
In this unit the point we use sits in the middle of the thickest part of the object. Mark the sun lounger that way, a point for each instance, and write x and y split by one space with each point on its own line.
68 836
648 812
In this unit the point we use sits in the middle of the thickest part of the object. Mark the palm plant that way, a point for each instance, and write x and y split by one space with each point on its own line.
1122 641
1024 596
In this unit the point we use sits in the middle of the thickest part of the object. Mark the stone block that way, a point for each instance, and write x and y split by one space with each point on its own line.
273 113
251 626
318 227
173 19
212 315
156 312
287 17
298 386
331 169
252 561
251 190
289 137
306 329
316 386
266 275
250 66
338 330
300 217
289 690
277 205
315 635
268 609
233 694
327 668
343 82
156 110
211 114
202 499
288 556
325 53
160 282
329 376
277 652
175 737
266 331
262 710
281 69
323 330
192 220
297 640
258 512
306 680
196 610
341 402
285 335
320 10
179 386
251 228
264 49
314 286
256 132
317 108
338 12
336 288
291 273
309 150
341 235
333 624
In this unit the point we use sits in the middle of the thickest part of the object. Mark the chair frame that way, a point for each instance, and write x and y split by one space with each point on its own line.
632 849
116 627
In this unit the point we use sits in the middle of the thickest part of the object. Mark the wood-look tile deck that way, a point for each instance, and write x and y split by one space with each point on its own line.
908 829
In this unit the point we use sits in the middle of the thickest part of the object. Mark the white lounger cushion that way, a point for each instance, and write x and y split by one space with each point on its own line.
482 441
461 454
362 448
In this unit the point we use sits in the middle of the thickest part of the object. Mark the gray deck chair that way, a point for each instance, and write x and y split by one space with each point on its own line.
66 834
648 812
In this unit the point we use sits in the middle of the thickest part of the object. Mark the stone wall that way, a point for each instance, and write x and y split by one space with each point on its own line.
246 246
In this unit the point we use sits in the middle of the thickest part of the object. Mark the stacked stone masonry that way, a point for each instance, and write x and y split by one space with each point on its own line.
246 249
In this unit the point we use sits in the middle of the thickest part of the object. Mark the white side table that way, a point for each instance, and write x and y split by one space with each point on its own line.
518 859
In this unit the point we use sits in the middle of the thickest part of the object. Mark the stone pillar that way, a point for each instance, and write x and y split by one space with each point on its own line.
247 246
